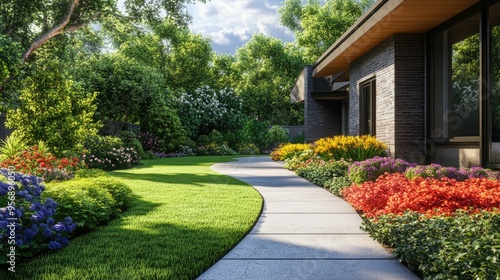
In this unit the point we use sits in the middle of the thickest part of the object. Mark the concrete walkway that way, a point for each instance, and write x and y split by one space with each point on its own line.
304 232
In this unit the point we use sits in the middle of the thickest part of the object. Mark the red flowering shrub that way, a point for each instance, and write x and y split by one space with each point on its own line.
396 194
42 164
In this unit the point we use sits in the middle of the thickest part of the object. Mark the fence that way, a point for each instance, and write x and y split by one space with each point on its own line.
4 131
295 130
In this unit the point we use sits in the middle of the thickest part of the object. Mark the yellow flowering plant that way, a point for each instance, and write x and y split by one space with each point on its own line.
356 148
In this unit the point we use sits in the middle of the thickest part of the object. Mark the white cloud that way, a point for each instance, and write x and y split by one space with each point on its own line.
231 23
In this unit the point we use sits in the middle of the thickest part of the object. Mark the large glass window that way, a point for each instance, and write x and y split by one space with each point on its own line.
455 92
367 108
494 98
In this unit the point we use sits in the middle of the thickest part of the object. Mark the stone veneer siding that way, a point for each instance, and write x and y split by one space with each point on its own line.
398 66
322 117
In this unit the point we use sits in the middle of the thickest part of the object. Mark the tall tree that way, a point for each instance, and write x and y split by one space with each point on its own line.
317 26
266 70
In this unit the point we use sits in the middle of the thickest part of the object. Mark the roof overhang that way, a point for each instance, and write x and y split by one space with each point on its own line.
383 20
322 88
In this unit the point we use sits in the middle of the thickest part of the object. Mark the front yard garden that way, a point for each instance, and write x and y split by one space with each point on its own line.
180 219
441 222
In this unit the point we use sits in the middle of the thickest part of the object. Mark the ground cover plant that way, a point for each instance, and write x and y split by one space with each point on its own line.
441 222
183 219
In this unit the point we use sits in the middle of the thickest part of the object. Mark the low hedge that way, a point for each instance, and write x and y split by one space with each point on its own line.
461 246
89 201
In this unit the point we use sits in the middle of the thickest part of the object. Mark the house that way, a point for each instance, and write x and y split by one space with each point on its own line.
423 76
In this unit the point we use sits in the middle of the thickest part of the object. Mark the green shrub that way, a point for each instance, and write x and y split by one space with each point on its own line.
248 149
319 172
277 135
461 246
98 145
337 184
129 140
298 159
89 201
90 173
148 155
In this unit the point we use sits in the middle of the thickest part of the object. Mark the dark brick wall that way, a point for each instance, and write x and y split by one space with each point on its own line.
398 65
322 117
378 64
410 98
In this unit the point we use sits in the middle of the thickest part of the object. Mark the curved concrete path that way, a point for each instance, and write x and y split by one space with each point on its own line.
304 232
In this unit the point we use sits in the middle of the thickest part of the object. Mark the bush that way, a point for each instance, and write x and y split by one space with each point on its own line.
461 246
371 169
129 140
299 139
299 159
288 151
277 135
164 125
36 228
149 141
248 149
90 173
107 153
396 194
355 148
52 107
35 161
437 171
90 201
214 149
337 184
319 172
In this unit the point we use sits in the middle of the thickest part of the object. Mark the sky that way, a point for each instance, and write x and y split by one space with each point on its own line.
229 24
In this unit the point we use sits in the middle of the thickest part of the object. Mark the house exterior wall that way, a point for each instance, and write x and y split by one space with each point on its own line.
322 117
398 66
378 64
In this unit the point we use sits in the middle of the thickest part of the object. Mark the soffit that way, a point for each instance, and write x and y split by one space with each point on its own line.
385 19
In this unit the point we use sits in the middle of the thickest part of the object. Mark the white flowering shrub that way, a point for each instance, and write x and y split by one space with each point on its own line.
207 109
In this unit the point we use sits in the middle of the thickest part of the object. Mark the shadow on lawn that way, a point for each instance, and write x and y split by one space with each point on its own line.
129 249
182 178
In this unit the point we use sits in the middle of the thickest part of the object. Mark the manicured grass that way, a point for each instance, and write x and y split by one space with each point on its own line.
185 217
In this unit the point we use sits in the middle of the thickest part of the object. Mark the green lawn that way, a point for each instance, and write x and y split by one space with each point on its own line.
185 218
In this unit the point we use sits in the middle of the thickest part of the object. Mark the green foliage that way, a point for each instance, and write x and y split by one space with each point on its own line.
207 109
12 146
52 107
248 149
89 201
129 140
299 139
127 89
337 184
316 26
98 145
10 56
90 173
265 70
461 246
277 135
294 155
320 172
255 132
87 204
163 122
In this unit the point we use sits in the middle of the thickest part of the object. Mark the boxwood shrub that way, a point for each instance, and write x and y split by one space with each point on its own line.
89 201
461 246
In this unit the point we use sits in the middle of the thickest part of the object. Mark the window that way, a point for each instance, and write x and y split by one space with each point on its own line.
494 95
456 81
367 108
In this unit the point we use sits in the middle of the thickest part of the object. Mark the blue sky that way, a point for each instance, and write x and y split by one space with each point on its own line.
231 23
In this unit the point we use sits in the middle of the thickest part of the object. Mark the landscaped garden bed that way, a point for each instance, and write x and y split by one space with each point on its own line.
180 219
441 222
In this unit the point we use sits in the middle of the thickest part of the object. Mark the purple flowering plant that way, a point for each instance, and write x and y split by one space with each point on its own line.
437 171
26 220
371 169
